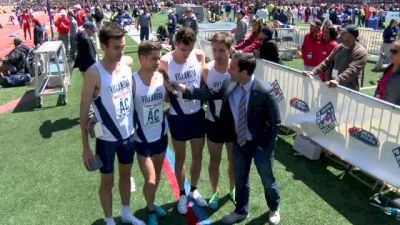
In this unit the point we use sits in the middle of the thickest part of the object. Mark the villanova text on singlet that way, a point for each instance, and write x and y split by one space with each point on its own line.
214 81
189 74
149 107
113 107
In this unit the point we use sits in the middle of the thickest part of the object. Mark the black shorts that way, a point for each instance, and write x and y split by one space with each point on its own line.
148 149
187 127
216 133
107 149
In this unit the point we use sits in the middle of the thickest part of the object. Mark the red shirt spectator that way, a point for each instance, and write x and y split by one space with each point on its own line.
383 82
62 24
250 43
328 43
80 17
310 49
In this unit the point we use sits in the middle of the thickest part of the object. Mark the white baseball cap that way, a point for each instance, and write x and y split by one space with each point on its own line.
63 12
170 11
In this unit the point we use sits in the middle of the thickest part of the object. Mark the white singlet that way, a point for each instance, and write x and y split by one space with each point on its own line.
214 81
149 107
188 74
113 107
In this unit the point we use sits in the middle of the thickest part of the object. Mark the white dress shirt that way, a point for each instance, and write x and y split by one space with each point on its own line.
234 100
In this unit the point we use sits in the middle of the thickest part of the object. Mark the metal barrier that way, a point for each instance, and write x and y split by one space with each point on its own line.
290 38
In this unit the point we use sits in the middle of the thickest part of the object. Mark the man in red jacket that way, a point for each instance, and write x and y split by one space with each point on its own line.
310 48
62 24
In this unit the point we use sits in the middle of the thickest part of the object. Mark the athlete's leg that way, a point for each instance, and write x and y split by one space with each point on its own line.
214 150
229 149
105 193
179 148
197 145
149 188
125 183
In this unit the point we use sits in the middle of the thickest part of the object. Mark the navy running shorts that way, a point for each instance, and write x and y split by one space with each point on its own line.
216 133
149 149
187 127
107 149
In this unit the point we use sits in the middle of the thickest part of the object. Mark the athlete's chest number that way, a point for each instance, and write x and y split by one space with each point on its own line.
152 114
123 107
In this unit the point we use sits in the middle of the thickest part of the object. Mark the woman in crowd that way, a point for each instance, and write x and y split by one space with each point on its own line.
389 83
328 43
253 41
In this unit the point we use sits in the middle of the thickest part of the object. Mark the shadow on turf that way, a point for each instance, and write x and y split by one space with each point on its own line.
48 127
344 193
28 103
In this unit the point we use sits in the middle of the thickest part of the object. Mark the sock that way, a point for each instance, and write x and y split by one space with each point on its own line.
110 221
182 192
192 188
125 210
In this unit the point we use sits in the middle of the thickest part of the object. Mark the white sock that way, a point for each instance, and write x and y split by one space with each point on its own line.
125 210
110 221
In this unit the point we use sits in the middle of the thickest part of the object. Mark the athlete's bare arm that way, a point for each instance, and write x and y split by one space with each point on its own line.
202 60
90 89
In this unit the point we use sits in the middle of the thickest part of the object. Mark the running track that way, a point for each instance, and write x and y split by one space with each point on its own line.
9 32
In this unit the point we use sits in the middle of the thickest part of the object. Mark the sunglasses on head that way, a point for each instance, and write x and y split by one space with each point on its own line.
394 51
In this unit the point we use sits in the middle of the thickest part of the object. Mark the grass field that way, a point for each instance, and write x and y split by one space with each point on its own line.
43 180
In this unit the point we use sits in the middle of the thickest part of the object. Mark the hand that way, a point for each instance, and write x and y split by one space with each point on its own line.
332 83
178 86
89 123
86 155
308 73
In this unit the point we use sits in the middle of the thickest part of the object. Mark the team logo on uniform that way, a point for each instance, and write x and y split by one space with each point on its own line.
396 153
278 93
364 136
299 104
326 119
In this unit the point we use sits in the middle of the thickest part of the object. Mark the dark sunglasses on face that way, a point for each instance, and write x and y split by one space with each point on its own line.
394 51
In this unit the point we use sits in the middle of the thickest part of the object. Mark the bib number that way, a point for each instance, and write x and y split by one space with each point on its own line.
152 114
123 106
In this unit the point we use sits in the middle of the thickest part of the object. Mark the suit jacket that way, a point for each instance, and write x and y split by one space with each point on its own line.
86 56
263 115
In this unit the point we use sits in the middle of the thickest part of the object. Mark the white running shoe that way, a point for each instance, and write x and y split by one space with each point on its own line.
182 204
131 219
196 197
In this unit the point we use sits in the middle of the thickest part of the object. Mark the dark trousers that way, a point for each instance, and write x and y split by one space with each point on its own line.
144 33
263 159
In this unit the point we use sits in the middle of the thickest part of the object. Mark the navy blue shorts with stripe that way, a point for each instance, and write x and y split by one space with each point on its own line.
107 150
187 127
149 149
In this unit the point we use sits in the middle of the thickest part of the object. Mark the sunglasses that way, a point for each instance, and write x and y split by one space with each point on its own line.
394 51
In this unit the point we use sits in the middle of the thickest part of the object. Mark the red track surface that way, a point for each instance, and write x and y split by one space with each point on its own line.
10 32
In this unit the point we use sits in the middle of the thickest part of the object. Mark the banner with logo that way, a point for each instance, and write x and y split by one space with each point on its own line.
359 129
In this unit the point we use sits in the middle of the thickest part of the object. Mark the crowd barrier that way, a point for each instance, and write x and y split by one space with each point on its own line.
290 38
361 130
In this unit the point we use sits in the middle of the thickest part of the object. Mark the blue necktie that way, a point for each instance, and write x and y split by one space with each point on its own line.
242 121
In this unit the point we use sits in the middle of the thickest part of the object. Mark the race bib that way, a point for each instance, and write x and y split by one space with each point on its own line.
122 105
152 114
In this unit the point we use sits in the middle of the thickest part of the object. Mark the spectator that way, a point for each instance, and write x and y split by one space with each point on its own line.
189 20
253 41
73 30
328 43
309 49
241 27
37 33
15 60
171 28
62 24
145 24
389 83
389 37
262 13
344 66
268 49
86 51
307 14
98 16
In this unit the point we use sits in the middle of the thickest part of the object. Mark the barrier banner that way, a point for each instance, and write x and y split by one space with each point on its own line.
359 129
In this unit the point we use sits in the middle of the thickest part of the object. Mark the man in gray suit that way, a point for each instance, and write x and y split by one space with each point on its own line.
250 111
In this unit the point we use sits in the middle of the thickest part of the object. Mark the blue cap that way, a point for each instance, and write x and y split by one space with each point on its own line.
90 25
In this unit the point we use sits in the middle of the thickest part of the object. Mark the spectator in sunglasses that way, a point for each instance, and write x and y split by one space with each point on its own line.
389 83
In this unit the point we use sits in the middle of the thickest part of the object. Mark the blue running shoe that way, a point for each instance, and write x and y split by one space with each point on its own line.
159 211
152 219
